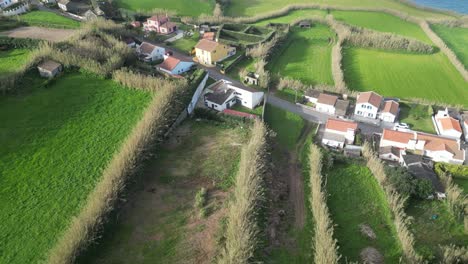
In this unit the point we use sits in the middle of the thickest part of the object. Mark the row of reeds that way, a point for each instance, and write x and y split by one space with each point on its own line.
133 80
325 246
157 118
396 203
243 230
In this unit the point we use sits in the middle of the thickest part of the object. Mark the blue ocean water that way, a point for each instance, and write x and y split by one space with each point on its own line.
460 6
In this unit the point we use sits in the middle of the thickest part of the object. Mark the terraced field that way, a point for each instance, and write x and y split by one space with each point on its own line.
180 7
456 39
306 56
56 140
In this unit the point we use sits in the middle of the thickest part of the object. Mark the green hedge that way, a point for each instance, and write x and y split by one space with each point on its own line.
457 171
241 37
19 42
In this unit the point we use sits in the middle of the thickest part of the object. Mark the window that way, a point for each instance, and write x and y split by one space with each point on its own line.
363 106
369 107
359 112
370 115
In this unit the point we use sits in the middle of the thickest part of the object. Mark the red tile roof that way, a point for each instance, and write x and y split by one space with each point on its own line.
391 107
147 48
327 99
206 45
340 125
369 97
169 63
449 123
397 136
209 35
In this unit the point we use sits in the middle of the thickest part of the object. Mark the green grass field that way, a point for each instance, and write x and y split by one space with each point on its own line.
180 7
48 19
56 141
462 183
11 60
186 44
250 8
306 56
382 22
404 75
355 198
297 14
430 233
287 125
417 116
456 39
201 154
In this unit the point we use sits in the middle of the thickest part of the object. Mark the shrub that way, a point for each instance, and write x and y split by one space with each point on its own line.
200 198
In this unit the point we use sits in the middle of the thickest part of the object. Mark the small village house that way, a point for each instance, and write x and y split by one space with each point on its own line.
49 68
160 24
326 103
209 52
149 52
368 104
174 66
339 132
446 125
312 95
6 3
390 111
251 78
223 95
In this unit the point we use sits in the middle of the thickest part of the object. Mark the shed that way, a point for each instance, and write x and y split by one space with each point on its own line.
251 78
49 68
304 24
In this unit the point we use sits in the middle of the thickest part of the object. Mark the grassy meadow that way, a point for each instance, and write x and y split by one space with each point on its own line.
250 8
404 75
180 7
56 140
48 19
306 56
382 22
430 233
456 39
186 44
417 116
293 15
355 199
11 60
200 154
287 125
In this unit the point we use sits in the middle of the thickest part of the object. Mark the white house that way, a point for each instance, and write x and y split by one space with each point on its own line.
339 132
389 112
149 52
446 125
222 95
465 126
312 95
439 149
174 66
368 104
326 103
6 3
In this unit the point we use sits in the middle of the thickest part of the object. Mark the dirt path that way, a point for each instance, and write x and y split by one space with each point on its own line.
50 34
296 181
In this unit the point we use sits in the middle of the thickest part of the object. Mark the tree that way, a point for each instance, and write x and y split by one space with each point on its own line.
423 188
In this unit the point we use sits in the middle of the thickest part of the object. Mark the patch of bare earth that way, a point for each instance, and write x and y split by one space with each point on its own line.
50 34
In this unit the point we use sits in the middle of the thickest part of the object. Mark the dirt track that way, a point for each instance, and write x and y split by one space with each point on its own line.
50 34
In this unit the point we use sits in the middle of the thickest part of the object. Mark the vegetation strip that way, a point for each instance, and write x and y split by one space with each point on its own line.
325 246
242 231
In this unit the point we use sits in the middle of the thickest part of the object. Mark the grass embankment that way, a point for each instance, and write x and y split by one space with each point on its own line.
404 75
48 19
382 22
12 60
356 199
251 8
293 16
456 39
306 56
417 116
164 197
55 140
433 226
180 7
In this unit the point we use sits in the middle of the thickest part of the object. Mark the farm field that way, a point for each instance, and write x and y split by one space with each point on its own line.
11 60
456 39
250 8
404 75
417 116
293 15
382 22
56 140
429 232
48 19
180 7
356 199
306 56
199 154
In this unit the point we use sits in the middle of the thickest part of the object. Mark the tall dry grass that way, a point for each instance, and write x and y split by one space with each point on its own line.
325 246
156 120
242 231
396 203
455 255
143 82
445 49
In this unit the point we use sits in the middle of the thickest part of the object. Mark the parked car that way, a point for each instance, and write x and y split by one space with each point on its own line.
401 127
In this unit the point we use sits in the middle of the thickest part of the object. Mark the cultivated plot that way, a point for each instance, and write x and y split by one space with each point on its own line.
48 19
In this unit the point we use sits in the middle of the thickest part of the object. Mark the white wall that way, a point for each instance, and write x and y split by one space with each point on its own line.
325 108
366 110
247 98
182 67
386 143
387 117
196 95
332 143
7 3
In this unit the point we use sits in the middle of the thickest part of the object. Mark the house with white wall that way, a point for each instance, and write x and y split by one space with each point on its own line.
174 66
464 122
149 52
6 3
389 111
223 95
446 125
368 104
326 103
437 148
160 23
339 132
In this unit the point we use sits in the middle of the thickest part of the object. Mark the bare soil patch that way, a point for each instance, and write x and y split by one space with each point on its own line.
50 34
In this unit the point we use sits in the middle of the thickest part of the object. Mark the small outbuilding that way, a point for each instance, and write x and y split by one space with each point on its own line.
251 78
49 68
304 24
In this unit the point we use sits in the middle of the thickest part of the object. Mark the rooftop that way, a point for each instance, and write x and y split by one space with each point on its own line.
340 125
327 99
369 97
449 123
391 107
207 45
49 65
169 63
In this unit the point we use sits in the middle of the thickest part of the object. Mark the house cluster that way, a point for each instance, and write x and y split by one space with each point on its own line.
372 105
327 103
159 23
223 95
